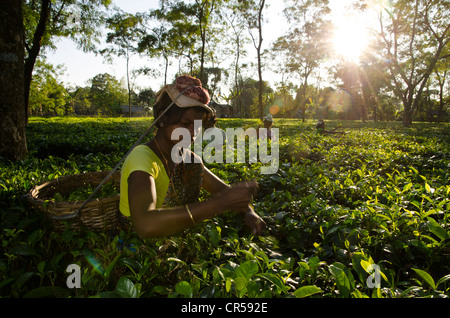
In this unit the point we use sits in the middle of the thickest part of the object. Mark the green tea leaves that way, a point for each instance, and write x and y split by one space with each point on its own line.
126 288
426 277
247 269
184 288
344 279
437 229
365 214
307 291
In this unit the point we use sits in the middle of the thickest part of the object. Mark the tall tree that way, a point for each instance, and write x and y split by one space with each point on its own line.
205 9
254 16
47 94
13 145
177 33
349 74
125 32
305 44
157 42
33 44
189 29
81 101
173 36
414 35
107 93
441 76
46 20
235 39
249 96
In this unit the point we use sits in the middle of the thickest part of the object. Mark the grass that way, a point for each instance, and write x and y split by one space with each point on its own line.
365 214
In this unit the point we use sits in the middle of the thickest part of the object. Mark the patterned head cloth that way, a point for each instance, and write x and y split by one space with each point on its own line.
194 94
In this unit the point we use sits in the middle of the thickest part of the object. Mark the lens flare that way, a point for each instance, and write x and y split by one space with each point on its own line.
274 109
340 101
90 257
380 5
350 38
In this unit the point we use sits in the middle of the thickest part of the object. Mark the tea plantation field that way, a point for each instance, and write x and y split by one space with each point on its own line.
363 214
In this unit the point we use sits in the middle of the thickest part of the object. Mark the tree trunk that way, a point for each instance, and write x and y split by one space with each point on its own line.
260 93
203 41
375 114
166 60
13 143
441 104
128 83
407 118
33 52
202 57
238 100
363 109
441 81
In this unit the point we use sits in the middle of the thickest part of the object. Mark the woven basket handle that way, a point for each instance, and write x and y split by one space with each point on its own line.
78 211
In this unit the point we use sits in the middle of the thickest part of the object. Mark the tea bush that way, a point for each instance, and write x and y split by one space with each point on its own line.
364 214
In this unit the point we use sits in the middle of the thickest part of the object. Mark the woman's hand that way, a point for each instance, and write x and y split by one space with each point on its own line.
237 197
254 222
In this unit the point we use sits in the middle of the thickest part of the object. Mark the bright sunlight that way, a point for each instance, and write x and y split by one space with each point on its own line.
350 37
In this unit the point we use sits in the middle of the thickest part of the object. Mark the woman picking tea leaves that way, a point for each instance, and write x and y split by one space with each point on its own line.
161 196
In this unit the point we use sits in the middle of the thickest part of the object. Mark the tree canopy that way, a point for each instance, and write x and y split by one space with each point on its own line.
213 39
401 74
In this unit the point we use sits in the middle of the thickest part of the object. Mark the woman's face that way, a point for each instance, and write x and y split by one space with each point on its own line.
186 123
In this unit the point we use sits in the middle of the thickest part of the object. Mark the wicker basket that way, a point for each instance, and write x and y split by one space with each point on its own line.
98 214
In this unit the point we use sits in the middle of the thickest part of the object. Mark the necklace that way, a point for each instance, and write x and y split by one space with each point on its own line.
162 154
170 174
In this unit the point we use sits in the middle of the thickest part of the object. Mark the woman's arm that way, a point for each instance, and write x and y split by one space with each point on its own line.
151 222
214 184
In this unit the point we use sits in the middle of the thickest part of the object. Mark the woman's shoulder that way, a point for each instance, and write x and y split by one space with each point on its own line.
142 150
141 155
142 158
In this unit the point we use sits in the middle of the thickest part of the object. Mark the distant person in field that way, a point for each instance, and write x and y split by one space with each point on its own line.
320 128
268 124
159 196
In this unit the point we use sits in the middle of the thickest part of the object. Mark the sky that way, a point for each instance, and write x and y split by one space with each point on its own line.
80 67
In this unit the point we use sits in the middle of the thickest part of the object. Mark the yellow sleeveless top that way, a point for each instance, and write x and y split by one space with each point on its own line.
142 158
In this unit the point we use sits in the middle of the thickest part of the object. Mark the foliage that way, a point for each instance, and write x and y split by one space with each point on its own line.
107 93
186 30
413 36
193 33
47 95
82 193
77 20
393 78
44 21
338 207
305 45
124 32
